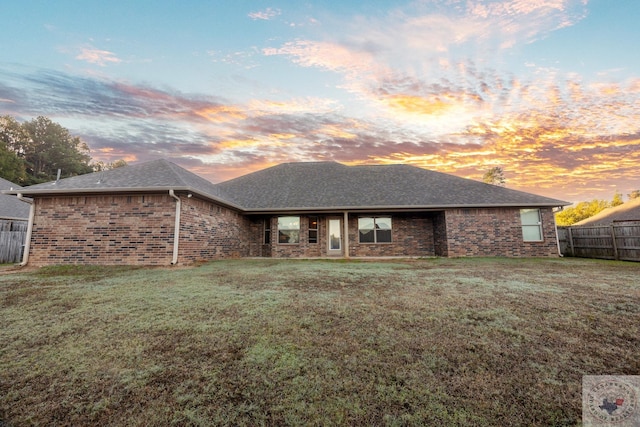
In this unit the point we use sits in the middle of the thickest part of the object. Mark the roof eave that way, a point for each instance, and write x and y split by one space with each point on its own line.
263 211
129 190
393 208
12 218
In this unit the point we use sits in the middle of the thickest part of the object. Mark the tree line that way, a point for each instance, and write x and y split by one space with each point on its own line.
32 152
584 210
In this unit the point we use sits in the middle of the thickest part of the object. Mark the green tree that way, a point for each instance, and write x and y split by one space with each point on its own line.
48 147
12 166
582 210
634 194
617 199
494 176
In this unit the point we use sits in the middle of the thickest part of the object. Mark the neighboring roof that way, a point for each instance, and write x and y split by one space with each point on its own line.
156 175
314 186
10 206
331 185
629 211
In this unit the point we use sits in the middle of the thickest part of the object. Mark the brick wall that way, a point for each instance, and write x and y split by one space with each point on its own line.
209 231
304 249
411 235
126 229
134 230
441 246
496 232
138 230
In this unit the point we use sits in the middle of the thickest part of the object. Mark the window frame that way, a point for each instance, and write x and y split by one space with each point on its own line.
377 231
282 231
313 230
529 226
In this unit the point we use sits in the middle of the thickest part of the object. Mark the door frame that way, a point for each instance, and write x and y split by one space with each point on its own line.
339 251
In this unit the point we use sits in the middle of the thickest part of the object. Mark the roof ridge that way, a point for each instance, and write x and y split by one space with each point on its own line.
178 171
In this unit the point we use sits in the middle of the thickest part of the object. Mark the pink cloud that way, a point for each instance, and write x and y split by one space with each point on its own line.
97 56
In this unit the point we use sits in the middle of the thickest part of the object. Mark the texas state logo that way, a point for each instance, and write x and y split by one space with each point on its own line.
610 400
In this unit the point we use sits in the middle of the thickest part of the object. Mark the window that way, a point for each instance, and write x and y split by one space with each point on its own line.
313 229
374 230
267 231
531 225
289 229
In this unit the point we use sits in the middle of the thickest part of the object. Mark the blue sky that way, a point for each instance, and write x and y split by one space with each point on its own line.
547 89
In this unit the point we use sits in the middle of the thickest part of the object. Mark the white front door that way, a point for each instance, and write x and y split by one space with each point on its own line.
334 237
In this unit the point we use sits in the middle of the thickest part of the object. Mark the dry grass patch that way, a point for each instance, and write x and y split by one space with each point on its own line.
468 342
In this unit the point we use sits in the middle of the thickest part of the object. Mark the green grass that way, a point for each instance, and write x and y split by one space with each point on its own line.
467 342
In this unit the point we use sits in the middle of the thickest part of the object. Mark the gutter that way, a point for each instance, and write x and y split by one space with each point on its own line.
27 243
176 229
123 190
388 208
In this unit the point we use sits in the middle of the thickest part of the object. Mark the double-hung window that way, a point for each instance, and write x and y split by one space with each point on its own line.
289 229
531 225
374 229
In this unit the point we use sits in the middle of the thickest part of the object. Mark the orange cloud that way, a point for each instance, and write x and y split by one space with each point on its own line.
418 105
335 131
220 114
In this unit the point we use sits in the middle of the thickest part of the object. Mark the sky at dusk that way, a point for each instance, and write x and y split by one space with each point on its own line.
547 89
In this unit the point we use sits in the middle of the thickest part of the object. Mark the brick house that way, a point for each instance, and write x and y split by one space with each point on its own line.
157 213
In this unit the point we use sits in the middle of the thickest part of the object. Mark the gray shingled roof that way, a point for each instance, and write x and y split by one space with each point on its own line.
156 175
629 211
307 186
326 185
10 206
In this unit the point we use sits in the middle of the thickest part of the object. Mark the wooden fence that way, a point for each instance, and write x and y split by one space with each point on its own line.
12 239
620 241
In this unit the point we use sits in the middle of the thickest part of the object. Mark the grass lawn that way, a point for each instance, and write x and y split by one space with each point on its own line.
467 342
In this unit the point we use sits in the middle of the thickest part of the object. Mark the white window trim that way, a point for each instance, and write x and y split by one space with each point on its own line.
538 225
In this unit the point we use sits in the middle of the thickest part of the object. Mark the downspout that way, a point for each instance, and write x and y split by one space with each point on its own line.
176 229
555 224
558 241
27 243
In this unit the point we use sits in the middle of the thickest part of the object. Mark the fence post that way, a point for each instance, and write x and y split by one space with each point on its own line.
615 244
570 235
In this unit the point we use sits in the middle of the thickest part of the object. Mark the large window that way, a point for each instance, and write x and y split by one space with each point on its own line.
531 225
313 229
289 229
374 229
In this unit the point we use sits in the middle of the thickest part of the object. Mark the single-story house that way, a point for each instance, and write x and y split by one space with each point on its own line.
626 212
157 213
14 214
